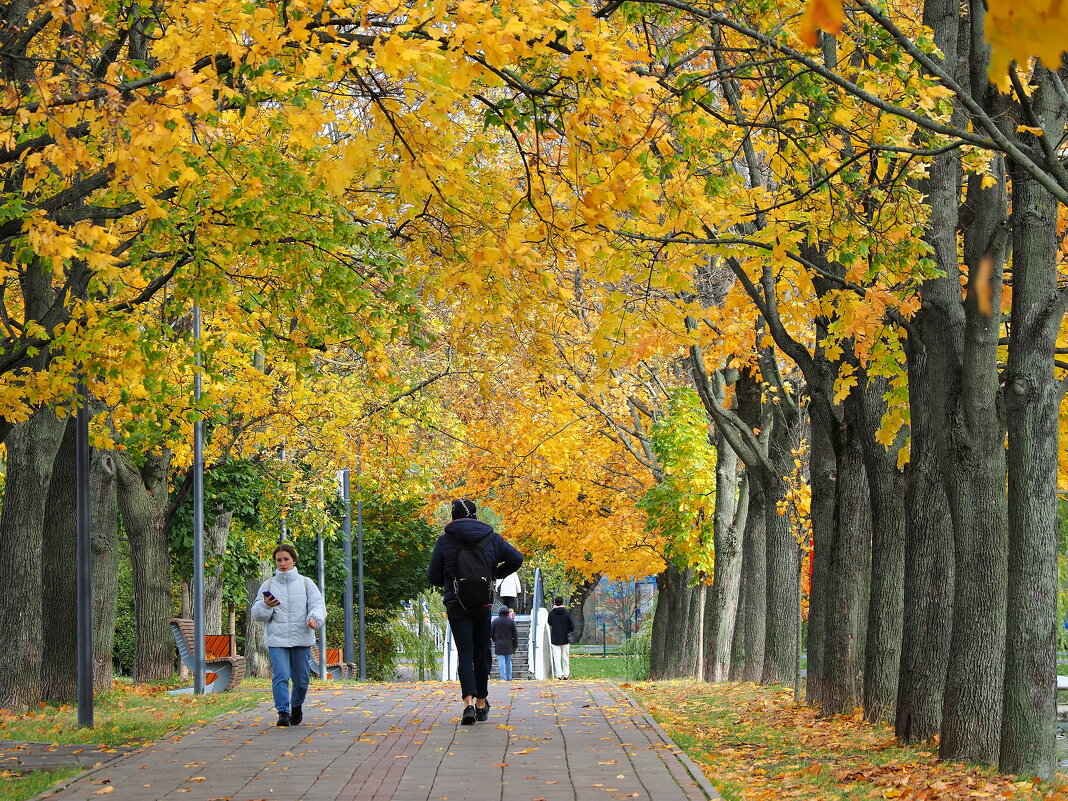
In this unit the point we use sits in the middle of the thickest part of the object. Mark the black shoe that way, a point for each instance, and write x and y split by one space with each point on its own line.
296 715
483 713
283 719
469 716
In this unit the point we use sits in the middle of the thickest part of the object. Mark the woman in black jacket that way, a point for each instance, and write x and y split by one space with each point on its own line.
470 626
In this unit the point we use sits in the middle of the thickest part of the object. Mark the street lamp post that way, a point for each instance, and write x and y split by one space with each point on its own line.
198 518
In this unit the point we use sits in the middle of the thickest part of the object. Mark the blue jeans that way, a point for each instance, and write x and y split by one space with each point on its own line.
504 665
289 664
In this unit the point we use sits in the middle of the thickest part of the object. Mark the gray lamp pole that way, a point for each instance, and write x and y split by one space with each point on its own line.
322 591
198 518
359 559
346 530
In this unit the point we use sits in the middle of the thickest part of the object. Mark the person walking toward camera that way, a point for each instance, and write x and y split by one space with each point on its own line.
466 559
292 608
505 641
560 627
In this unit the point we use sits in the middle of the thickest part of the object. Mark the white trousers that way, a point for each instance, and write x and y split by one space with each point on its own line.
561 660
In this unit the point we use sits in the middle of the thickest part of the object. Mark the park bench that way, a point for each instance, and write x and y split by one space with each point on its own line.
336 666
224 669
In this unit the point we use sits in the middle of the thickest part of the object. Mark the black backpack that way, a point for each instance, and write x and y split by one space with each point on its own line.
473 582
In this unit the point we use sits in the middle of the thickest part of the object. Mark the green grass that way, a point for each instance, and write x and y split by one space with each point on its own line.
20 786
613 666
126 715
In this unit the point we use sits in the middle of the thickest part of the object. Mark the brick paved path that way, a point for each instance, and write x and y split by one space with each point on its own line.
559 741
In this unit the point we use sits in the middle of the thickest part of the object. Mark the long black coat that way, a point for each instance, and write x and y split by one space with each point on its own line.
505 635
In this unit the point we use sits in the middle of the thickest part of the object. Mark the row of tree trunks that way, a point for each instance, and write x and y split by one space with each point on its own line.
673 652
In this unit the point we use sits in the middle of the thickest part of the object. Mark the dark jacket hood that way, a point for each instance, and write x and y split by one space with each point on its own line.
558 610
468 528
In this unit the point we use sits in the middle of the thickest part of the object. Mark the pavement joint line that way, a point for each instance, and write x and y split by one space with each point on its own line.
415 750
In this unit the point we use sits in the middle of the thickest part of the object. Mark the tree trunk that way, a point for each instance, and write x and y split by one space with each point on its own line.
783 571
257 662
59 569
971 439
672 654
755 597
578 604
215 550
737 664
847 591
1032 401
105 547
928 608
31 451
823 475
142 495
886 486
732 503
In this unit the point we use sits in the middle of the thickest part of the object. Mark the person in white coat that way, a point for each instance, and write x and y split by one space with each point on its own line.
508 589
292 608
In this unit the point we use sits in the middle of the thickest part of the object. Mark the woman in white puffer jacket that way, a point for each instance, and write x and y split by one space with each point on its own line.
292 608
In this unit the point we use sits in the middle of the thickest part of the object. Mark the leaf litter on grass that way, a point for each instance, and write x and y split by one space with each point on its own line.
754 743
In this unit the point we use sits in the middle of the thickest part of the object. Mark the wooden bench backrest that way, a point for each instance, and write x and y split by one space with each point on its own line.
215 645
333 656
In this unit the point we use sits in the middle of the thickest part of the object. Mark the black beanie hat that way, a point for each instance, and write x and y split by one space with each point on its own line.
503 610
462 507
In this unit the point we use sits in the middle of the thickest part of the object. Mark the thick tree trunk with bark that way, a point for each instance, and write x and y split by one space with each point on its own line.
215 537
59 563
673 652
929 561
732 503
783 569
257 662
142 496
971 438
847 592
886 486
31 452
579 596
1032 402
754 601
823 478
105 548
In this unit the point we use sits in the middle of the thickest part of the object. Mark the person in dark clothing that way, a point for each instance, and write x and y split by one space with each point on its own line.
505 641
560 627
470 628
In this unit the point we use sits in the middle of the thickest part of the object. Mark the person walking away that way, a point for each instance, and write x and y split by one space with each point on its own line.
292 608
560 627
508 589
505 641
465 541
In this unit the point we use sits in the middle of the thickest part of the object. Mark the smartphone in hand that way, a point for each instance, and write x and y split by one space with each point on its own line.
268 595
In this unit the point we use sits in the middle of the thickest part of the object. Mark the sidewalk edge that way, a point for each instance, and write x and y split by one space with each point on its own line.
692 767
